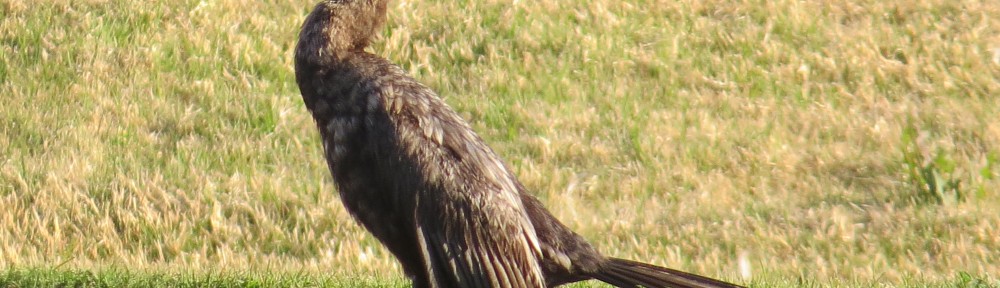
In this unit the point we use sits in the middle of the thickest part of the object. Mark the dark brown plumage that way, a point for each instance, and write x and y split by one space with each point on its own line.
414 174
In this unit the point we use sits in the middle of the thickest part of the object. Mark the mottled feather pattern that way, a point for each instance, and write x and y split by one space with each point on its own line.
473 181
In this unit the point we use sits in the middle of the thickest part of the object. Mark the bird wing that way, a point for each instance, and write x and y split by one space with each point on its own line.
471 224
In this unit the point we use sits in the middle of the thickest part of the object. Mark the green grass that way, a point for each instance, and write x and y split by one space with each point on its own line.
48 277
811 142
36 277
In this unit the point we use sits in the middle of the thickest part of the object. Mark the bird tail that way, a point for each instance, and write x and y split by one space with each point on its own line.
627 273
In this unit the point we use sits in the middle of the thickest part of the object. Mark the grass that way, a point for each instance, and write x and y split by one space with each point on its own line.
813 142
118 277
43 277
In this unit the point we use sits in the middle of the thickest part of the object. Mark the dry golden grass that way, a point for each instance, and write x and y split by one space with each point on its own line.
687 133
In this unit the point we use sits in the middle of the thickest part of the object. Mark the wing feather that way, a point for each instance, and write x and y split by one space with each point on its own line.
473 227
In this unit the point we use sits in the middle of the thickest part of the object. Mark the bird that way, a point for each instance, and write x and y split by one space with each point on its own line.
415 175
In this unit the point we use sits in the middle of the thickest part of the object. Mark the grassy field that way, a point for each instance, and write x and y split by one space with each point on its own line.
44 277
840 143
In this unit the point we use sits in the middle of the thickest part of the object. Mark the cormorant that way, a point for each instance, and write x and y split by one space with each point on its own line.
414 174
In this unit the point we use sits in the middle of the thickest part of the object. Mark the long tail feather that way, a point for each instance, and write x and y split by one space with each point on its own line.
631 274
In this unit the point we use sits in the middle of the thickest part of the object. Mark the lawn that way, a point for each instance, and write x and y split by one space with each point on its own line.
121 277
774 143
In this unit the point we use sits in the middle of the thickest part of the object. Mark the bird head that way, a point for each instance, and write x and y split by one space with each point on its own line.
336 27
